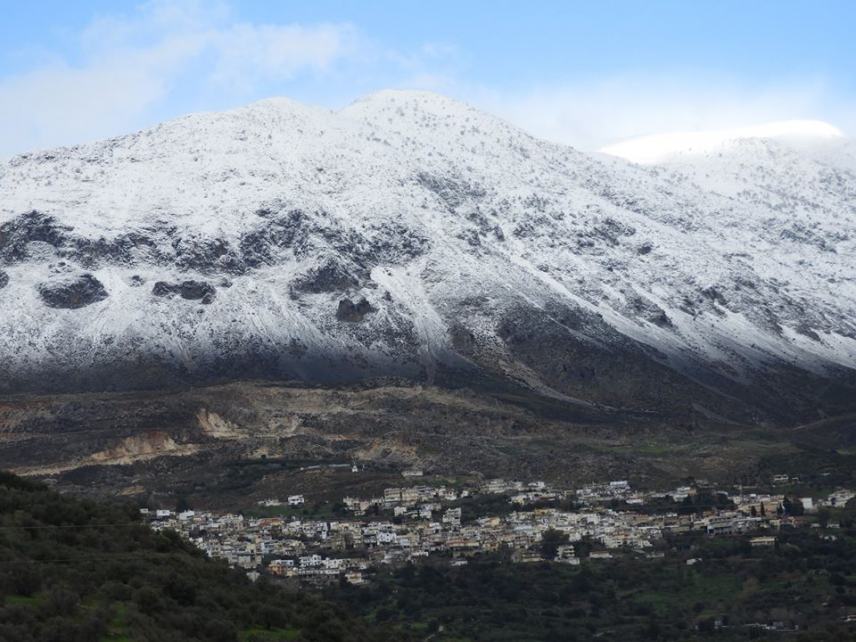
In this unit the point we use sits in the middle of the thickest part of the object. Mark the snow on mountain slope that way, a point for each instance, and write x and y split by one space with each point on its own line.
663 148
409 233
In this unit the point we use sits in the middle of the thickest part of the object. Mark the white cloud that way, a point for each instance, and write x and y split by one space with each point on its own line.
247 54
657 148
590 116
167 58
132 65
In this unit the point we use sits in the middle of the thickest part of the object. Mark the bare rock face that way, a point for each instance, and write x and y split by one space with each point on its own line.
4 279
190 290
72 293
353 312
332 276
29 227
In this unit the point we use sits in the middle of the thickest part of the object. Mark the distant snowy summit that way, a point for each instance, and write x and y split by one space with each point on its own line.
412 236
662 148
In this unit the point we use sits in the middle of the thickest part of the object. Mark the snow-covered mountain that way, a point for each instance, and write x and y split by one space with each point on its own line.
410 235
668 147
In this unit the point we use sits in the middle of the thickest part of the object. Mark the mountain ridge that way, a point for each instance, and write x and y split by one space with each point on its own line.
410 235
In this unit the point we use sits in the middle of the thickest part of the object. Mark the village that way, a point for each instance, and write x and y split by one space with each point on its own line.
418 521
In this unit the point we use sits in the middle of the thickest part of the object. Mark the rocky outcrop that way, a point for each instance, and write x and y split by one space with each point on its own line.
29 227
72 293
4 279
190 290
351 312
331 276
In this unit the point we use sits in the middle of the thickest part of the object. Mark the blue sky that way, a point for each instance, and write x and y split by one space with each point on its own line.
585 73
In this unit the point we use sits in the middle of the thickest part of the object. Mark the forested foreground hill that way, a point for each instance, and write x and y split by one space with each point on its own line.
74 570
722 589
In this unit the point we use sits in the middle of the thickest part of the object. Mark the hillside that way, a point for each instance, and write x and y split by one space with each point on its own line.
73 570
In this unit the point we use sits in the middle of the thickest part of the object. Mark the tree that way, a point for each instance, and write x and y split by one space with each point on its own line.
551 540
792 507
24 579
148 600
797 508
583 547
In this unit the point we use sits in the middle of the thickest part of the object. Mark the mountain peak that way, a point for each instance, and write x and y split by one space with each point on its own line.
397 97
414 106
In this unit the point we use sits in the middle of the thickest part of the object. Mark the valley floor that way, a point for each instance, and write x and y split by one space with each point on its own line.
352 455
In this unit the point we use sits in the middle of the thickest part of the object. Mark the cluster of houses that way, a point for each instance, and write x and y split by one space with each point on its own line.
415 522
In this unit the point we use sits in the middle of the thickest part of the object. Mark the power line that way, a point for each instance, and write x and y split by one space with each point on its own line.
41 526
91 558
